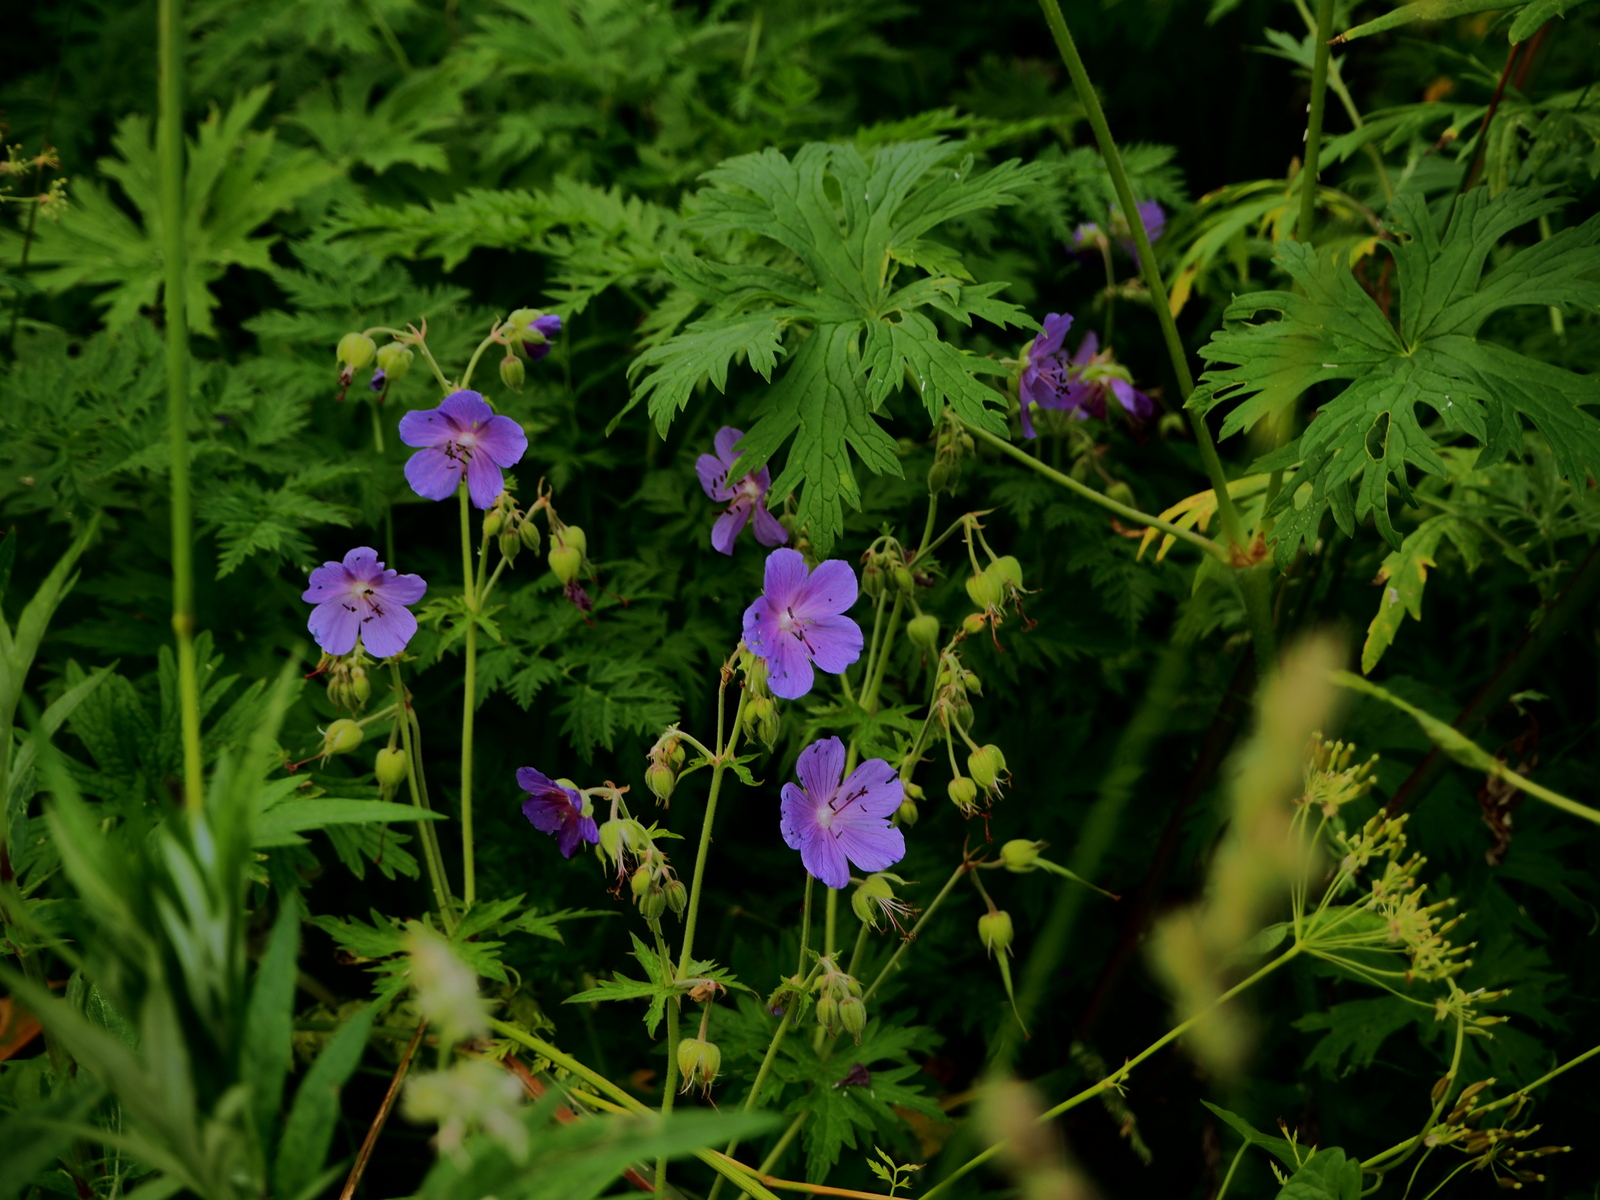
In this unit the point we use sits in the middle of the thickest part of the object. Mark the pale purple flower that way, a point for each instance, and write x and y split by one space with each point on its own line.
799 621
748 496
1151 215
556 810
463 436
1092 375
547 325
358 597
834 823
1044 369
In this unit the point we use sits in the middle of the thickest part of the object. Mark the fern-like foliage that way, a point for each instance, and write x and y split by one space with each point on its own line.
1427 366
842 293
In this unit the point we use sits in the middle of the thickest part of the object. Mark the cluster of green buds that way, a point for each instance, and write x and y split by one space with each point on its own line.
348 684
886 567
656 887
951 445
569 550
953 684
663 763
1497 1149
874 901
839 1003
908 813
761 718
512 528
1331 782
699 1061
991 589
357 351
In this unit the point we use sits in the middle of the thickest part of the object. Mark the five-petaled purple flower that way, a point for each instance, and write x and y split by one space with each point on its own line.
799 620
748 496
463 436
1092 375
358 597
556 810
1044 369
830 821
547 325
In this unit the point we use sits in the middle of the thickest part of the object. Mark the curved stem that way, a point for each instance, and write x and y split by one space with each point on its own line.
445 385
472 363
1104 501
174 296
1232 526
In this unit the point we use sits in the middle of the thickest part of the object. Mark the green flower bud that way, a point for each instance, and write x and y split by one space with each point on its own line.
985 591
904 580
641 883
972 624
355 351
613 839
652 904
995 930
565 563
754 708
1019 854
660 779
1008 570
987 764
873 887
512 372
1121 493
963 793
872 578
853 1015
698 1062
828 1012
755 675
360 686
510 545
341 737
493 521
393 767
907 813
970 681
677 896
939 476
573 536
529 533
394 360
771 725
924 632
912 790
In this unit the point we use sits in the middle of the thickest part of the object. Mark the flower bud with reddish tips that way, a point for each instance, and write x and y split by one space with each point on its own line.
355 351
986 764
973 623
963 793
699 1062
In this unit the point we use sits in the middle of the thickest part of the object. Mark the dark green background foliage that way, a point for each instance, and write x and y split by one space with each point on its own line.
371 162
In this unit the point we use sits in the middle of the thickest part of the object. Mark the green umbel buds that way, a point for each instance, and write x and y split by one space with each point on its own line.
394 360
987 765
355 351
698 1062
924 632
963 793
995 931
341 737
1019 854
392 767
761 720
512 372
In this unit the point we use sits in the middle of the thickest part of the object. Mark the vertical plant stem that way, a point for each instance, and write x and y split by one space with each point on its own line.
1319 96
669 1089
174 298
425 832
724 753
469 866
1232 526
805 925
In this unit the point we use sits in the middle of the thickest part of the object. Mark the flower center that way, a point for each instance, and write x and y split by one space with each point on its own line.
787 621
825 816
747 487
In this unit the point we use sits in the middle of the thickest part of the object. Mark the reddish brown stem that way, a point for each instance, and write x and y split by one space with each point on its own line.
371 1140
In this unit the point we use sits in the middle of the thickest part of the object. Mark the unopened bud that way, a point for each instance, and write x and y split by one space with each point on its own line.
512 372
360 686
984 590
828 1012
904 580
341 737
698 1062
612 840
986 765
565 563
652 904
355 351
853 1015
963 793
1019 854
973 623
659 778
755 675
907 813
529 533
913 791
872 578
924 632
510 545
677 896
995 931
641 883
493 521
571 535
392 767
939 476
394 360
970 681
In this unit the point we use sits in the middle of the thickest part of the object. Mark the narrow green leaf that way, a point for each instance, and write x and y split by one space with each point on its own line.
269 1019
308 1132
1423 10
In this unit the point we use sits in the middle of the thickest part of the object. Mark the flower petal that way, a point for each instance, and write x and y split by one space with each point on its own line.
871 843
768 531
830 590
543 814
325 582
549 324
823 856
503 440
728 526
834 643
1049 342
879 787
433 474
1087 349
334 625
426 427
725 441
785 578
395 588
789 671
388 630
797 817
485 481
534 781
713 474
466 409
760 627
820 768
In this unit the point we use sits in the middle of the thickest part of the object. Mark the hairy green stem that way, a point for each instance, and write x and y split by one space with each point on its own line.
724 755
669 1089
1104 501
1319 97
469 866
174 296
1232 525
425 832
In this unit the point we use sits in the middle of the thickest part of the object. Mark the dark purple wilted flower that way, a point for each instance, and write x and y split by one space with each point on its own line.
1092 375
799 620
556 810
577 597
463 436
1044 369
748 496
531 331
358 597
834 823
377 382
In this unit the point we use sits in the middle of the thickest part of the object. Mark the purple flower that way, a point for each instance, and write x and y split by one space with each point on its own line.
462 436
377 382
556 810
545 326
357 597
1151 215
799 620
1092 375
830 822
1044 369
749 495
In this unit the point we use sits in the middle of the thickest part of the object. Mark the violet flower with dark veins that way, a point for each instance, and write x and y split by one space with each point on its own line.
834 821
359 598
462 437
1093 375
799 621
748 496
556 810
1044 369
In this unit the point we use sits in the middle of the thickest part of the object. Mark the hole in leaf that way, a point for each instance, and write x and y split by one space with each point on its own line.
1378 437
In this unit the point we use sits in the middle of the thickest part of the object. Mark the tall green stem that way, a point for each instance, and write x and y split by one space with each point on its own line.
1232 525
1319 96
469 866
425 832
724 754
175 297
